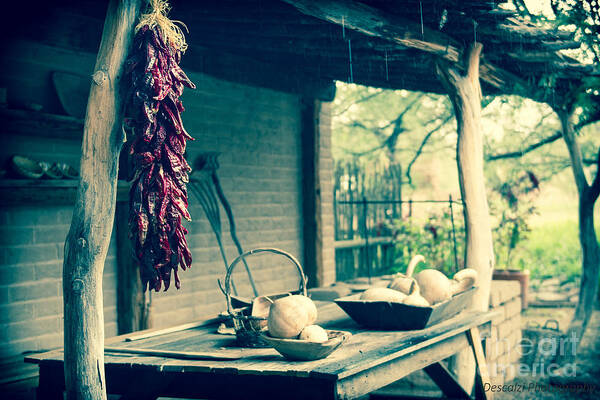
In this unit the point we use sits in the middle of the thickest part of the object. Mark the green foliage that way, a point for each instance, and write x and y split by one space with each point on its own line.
552 250
511 206
433 239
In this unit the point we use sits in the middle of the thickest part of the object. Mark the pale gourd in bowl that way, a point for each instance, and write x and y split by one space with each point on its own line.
289 315
436 287
382 294
403 282
414 297
313 333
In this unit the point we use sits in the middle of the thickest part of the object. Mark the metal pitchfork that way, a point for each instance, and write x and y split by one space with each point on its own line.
205 185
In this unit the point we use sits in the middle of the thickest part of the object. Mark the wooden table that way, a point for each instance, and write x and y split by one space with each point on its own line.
368 361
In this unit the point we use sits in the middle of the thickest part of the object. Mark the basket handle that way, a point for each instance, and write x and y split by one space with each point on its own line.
257 251
551 322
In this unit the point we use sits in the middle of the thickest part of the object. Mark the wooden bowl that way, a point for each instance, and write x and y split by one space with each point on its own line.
25 167
68 171
303 350
51 171
384 315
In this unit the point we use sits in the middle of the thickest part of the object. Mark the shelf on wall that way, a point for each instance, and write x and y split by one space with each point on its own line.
14 192
36 123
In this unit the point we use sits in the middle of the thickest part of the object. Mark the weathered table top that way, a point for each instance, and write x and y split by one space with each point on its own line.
367 361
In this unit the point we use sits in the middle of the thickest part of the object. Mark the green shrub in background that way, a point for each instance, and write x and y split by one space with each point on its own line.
433 239
552 250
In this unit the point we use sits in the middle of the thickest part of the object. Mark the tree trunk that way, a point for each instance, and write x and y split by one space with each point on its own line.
587 196
91 227
465 94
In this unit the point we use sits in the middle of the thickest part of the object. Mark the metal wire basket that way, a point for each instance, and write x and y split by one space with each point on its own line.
543 342
247 327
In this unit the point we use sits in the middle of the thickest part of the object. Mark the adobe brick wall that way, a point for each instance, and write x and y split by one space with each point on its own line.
31 253
257 132
502 348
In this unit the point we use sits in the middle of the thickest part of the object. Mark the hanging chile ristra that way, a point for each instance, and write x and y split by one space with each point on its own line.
157 141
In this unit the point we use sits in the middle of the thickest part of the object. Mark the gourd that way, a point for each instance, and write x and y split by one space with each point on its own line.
382 294
463 280
403 282
314 333
310 306
289 315
436 287
414 298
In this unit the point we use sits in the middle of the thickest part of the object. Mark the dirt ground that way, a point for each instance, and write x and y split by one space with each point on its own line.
586 381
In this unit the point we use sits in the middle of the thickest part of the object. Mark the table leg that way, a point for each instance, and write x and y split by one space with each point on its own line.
480 361
446 381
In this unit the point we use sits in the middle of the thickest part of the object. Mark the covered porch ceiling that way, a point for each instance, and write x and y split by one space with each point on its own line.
384 43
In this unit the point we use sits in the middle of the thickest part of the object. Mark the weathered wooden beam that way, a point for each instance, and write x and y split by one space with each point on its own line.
465 94
91 227
372 22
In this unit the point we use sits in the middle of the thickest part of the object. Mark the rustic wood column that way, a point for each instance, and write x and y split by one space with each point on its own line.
465 93
91 227
311 191
132 308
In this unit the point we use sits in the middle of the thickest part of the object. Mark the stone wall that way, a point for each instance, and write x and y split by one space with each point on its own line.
502 348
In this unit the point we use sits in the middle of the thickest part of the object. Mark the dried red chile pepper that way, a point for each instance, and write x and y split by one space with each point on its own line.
157 140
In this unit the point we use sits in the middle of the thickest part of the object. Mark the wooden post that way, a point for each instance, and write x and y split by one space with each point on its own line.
311 192
132 310
91 227
465 93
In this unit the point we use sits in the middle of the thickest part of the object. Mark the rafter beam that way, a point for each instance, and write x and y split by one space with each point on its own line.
405 33
369 21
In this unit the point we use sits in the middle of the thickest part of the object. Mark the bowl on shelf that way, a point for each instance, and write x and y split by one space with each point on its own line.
51 171
24 167
384 315
303 350
68 171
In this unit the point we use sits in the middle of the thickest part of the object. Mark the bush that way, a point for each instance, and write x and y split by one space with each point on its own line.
433 239
552 250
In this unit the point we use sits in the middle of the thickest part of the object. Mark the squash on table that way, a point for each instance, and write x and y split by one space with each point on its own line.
403 282
289 315
314 333
435 286
414 297
382 294
463 280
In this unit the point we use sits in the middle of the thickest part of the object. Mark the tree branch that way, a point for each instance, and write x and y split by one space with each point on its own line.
358 101
530 148
363 153
568 133
422 145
